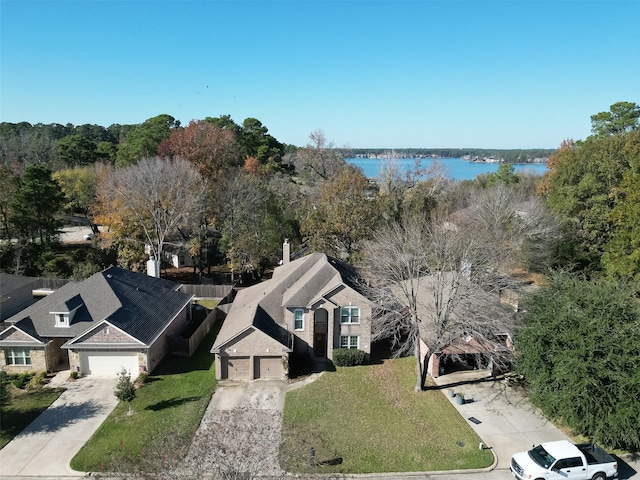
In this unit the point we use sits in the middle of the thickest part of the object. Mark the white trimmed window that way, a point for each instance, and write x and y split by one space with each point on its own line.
350 315
62 319
17 356
298 319
349 341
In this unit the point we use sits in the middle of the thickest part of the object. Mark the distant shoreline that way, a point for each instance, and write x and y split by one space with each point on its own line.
535 161
454 167
524 156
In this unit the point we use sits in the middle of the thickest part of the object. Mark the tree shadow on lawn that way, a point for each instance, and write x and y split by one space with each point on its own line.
463 382
58 417
172 402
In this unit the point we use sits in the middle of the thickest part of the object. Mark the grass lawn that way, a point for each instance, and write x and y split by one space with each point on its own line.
209 304
24 408
167 411
371 417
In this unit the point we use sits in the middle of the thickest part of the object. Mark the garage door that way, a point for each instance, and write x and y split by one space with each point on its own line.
236 368
268 367
108 363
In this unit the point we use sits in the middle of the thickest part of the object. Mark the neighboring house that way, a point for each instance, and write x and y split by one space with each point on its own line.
465 347
178 258
309 307
16 292
116 318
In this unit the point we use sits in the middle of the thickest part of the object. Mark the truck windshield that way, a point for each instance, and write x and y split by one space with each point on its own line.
541 456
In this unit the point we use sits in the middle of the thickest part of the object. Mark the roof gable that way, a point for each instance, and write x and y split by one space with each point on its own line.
16 335
104 333
273 345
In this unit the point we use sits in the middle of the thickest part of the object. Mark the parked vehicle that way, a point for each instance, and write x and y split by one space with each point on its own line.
563 460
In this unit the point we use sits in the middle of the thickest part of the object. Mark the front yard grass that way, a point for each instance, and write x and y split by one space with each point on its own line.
167 411
371 418
24 408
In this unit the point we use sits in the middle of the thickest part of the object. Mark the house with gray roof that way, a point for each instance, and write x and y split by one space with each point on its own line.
309 307
16 292
478 327
116 318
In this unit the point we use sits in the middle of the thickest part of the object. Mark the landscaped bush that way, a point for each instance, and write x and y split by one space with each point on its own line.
19 380
36 381
349 357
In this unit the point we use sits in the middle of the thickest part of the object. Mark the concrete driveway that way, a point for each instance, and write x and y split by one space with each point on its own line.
500 414
48 444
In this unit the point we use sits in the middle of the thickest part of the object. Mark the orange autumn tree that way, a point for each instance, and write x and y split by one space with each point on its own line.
207 146
252 166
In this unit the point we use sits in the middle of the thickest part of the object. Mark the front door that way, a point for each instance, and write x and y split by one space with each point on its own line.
320 332
320 344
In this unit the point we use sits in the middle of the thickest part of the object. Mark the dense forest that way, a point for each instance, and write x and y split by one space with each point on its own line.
227 194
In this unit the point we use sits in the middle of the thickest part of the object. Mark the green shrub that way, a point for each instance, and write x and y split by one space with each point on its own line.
349 357
19 380
73 374
5 391
36 381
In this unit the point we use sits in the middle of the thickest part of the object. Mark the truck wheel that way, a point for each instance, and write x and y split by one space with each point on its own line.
599 476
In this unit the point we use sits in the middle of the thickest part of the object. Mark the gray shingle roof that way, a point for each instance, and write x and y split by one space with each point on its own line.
141 305
10 283
294 284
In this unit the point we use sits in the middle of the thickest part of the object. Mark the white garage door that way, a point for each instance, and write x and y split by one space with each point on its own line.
108 363
268 367
236 368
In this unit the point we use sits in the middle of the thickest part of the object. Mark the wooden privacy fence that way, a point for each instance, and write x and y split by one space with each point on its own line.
186 344
207 291
50 283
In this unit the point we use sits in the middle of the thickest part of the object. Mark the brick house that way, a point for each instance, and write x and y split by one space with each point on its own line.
309 307
116 318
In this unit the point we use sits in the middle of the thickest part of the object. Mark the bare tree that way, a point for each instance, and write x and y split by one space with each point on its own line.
516 220
159 195
413 191
432 281
28 147
319 157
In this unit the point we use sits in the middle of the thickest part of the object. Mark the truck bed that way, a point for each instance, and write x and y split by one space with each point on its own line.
595 454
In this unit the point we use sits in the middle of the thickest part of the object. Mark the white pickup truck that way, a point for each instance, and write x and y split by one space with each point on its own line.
562 460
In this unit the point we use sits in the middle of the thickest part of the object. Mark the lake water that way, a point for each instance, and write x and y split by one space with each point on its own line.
455 168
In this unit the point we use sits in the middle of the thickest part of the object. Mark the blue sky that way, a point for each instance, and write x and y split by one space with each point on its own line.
377 74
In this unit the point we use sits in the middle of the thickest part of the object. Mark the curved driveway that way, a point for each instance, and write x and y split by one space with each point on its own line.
48 444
